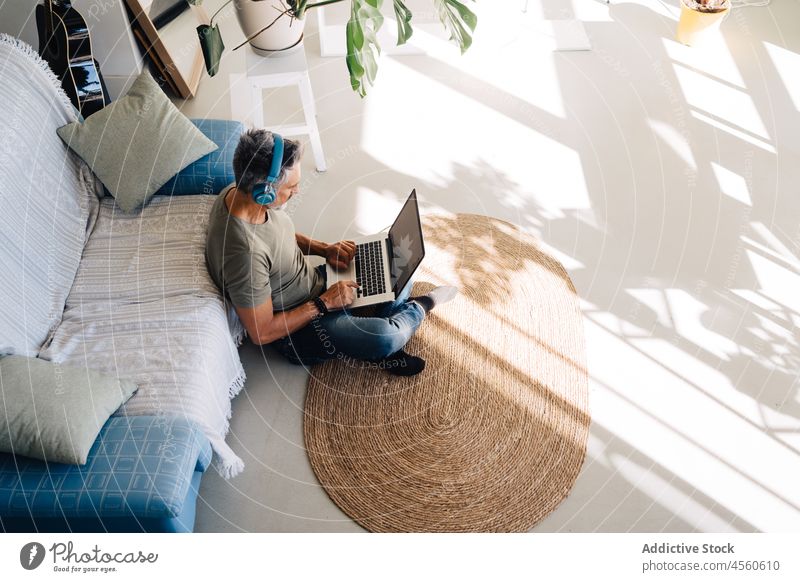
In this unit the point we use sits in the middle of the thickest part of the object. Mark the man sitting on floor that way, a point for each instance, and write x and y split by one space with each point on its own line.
258 260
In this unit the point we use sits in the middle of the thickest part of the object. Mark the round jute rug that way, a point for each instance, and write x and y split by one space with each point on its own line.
492 434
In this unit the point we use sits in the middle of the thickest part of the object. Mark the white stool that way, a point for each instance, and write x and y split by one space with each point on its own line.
284 70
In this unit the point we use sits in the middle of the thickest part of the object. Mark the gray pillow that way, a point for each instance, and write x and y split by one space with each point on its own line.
53 412
137 143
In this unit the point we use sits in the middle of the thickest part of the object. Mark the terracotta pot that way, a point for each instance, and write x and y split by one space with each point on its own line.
695 25
283 37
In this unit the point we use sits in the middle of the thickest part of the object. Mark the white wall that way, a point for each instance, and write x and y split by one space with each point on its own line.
113 44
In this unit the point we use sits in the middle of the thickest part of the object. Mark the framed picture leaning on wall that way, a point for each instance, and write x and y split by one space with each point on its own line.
167 33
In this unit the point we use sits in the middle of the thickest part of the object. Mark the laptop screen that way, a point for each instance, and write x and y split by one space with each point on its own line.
407 248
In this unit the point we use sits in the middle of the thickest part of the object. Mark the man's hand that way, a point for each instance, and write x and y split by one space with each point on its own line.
340 295
340 254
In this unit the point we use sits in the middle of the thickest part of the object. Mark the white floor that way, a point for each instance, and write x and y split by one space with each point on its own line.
664 178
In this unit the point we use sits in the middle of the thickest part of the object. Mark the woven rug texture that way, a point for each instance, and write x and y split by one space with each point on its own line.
492 434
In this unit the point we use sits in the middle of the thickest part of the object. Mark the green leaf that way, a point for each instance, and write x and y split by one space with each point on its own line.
298 7
212 45
362 43
403 14
459 21
354 36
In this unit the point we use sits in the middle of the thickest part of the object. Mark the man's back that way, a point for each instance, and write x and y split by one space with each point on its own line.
252 262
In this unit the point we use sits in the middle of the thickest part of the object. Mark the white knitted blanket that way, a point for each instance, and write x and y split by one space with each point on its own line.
144 307
141 305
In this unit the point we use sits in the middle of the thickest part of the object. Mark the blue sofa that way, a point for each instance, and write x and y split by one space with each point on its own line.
143 475
143 472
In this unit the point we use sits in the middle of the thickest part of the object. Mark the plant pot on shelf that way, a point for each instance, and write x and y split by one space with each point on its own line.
700 19
284 36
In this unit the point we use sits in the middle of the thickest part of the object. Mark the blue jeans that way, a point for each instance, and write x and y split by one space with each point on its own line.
341 334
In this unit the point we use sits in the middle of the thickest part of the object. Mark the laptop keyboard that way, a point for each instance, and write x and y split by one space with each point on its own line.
369 268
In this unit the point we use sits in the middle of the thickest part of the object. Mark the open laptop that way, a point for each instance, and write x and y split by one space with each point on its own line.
384 262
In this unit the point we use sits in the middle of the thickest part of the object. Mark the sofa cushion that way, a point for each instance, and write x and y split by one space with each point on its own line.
154 255
47 196
137 143
144 306
178 350
141 466
214 171
53 412
181 523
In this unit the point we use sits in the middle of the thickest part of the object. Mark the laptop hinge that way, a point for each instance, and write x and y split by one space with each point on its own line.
390 256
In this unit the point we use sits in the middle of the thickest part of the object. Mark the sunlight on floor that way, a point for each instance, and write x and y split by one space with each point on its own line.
777 248
734 132
732 184
499 44
776 268
655 300
666 416
688 315
721 101
775 281
715 60
376 211
675 140
787 64
665 493
558 176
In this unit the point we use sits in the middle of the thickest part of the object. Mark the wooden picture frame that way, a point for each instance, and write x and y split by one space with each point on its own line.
174 48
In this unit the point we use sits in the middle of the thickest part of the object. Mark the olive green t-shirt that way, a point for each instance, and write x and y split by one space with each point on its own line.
252 262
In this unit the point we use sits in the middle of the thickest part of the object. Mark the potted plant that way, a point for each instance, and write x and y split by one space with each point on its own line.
259 16
699 18
282 33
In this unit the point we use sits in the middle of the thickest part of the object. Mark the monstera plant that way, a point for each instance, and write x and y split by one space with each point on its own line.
361 31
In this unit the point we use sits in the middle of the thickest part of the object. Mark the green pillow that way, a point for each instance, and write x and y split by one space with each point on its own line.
53 412
137 143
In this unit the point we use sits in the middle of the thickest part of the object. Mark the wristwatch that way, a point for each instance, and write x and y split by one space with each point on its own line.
321 307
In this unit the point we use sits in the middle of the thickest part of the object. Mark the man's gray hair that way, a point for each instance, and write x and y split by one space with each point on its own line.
253 158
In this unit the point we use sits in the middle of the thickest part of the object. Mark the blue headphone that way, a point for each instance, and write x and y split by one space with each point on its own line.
265 193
